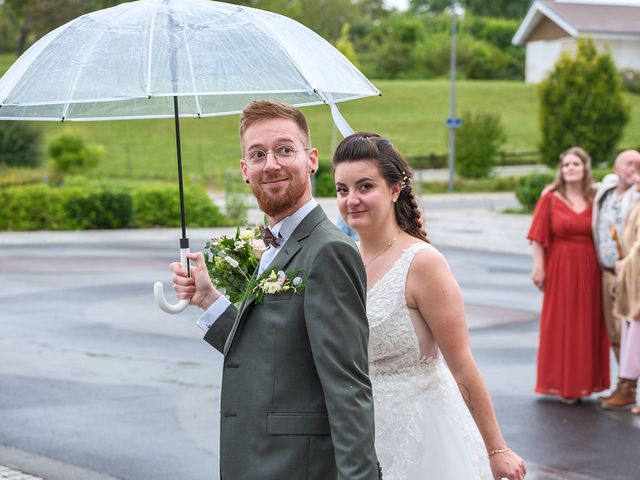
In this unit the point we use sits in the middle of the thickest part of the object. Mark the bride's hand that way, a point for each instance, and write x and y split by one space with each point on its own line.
507 465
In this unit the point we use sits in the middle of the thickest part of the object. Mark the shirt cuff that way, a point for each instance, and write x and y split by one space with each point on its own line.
212 314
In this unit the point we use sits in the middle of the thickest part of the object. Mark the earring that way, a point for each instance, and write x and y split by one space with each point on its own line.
246 180
395 199
312 171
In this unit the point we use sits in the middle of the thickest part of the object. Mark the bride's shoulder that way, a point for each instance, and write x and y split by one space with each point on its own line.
428 272
426 260
424 250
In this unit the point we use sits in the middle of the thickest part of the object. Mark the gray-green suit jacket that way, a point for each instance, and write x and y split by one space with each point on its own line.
296 398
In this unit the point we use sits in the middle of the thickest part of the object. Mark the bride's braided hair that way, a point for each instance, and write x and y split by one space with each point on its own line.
393 167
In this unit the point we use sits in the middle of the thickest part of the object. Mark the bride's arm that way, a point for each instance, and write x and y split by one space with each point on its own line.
433 291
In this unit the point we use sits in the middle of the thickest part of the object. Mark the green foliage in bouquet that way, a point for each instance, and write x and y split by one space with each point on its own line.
231 261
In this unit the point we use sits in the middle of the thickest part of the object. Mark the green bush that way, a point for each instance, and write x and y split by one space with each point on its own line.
476 58
35 207
159 205
20 144
324 184
478 142
529 188
106 209
71 155
79 207
581 104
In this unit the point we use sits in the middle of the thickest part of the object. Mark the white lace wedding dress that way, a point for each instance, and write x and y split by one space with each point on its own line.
424 430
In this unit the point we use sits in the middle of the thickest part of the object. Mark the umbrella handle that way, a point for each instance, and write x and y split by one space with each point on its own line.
158 289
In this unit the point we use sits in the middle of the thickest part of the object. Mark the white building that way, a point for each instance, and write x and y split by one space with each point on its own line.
552 27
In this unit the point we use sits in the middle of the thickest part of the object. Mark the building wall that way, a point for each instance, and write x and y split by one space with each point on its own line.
625 52
543 54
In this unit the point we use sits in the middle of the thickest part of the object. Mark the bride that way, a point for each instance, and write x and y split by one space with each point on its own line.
415 310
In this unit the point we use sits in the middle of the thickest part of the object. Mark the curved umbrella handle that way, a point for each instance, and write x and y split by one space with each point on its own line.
158 289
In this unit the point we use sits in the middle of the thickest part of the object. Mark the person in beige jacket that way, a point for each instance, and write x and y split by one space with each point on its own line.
627 307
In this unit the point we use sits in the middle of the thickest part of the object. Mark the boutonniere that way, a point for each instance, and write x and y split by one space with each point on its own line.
231 261
271 283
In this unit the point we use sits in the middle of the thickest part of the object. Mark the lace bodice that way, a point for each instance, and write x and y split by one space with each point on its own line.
394 347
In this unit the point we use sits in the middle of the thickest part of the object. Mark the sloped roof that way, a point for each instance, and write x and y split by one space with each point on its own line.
579 18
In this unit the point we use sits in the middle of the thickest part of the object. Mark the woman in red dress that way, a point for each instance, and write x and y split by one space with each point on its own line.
573 356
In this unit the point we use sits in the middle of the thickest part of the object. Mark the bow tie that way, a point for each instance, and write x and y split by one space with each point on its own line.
268 237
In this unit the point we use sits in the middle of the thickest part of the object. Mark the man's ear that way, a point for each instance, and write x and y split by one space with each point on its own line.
313 160
243 169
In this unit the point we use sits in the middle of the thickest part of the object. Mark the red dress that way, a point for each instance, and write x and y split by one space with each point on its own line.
573 357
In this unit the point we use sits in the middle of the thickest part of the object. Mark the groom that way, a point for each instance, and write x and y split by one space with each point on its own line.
296 399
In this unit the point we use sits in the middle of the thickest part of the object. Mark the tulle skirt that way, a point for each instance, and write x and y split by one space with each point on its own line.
424 430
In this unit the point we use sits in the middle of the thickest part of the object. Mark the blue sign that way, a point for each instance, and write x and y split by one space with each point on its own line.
454 122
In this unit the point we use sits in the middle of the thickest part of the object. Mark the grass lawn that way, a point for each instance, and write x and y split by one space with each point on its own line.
411 113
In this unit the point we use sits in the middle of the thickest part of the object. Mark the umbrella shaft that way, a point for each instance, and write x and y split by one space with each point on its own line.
179 152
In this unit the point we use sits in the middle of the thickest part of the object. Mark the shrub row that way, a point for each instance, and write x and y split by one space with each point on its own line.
41 207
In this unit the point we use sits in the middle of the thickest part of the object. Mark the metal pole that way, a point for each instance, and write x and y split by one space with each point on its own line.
452 96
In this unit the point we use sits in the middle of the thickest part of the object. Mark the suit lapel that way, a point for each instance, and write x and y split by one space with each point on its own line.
280 262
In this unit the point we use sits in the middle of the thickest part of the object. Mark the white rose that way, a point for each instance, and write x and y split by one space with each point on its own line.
258 247
296 282
247 234
272 287
239 245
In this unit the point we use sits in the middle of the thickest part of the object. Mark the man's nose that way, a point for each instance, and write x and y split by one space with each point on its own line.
270 161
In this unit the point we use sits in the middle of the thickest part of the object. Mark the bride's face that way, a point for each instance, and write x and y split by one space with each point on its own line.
364 198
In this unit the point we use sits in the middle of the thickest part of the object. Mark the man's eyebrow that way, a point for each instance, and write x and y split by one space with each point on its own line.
277 140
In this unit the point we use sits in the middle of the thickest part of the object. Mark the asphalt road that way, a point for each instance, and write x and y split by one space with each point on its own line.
97 383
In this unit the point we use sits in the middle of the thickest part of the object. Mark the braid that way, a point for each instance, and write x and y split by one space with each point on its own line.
408 213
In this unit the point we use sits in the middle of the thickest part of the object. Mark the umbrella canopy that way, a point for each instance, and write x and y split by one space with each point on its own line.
176 58
128 62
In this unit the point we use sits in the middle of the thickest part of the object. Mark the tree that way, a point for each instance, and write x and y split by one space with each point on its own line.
581 104
345 46
497 8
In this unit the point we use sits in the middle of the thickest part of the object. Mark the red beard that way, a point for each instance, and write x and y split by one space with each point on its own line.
273 205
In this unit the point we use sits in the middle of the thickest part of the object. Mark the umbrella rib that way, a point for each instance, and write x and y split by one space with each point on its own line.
151 32
274 34
193 79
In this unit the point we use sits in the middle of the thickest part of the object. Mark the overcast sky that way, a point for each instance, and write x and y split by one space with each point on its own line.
401 4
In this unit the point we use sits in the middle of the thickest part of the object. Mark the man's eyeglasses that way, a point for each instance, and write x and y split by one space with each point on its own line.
284 155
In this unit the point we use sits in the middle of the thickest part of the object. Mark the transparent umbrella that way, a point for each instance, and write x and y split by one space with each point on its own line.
171 59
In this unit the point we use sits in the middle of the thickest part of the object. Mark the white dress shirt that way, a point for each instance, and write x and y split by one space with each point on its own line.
282 231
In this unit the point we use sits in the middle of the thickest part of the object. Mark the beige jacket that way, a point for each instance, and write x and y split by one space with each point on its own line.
627 303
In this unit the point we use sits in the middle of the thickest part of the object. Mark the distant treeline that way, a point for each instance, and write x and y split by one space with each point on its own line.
383 42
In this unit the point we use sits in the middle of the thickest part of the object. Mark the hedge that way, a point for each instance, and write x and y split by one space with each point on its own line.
77 207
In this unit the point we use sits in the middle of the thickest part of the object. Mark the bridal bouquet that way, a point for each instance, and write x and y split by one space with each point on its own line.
231 261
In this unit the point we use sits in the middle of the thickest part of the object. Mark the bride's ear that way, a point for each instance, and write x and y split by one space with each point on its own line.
395 191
